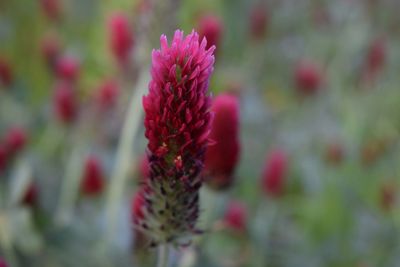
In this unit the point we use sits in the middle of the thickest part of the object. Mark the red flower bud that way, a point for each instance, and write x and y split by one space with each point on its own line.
121 37
177 122
210 27
258 22
93 177
67 68
6 75
222 157
235 216
15 140
65 103
30 197
274 173
308 78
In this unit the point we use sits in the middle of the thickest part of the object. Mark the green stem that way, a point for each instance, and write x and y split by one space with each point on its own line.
163 253
124 156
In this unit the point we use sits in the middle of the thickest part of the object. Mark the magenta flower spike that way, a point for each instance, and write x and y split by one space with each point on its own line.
177 122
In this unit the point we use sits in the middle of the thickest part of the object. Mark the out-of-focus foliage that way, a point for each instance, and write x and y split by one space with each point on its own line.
317 81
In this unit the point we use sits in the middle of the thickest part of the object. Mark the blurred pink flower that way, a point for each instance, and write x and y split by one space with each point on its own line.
222 157
107 95
308 77
3 263
210 26
274 173
375 60
121 37
15 140
258 21
68 68
93 177
65 103
236 216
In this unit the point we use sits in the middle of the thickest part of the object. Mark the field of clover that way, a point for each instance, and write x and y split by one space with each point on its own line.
204 133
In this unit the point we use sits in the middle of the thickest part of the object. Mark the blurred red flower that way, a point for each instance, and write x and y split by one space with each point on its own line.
236 216
6 74
121 37
15 140
258 21
107 95
222 157
93 176
65 103
68 68
274 173
210 26
308 77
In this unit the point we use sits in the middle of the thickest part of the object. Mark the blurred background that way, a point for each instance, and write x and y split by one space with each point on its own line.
317 175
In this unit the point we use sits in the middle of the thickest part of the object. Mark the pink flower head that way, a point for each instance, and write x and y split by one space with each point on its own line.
50 50
235 216
107 95
31 194
65 103
121 37
210 27
15 140
222 157
274 173
308 77
258 21
93 177
6 74
51 8
177 122
68 68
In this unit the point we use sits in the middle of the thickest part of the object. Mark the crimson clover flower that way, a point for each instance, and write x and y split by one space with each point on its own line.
177 122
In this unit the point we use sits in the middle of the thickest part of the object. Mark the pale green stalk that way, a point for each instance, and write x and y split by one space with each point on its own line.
125 156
